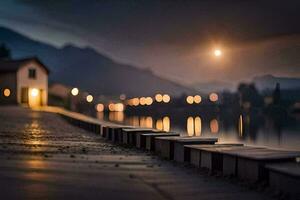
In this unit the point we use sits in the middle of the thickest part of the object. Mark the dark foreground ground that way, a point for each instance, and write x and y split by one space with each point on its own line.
43 157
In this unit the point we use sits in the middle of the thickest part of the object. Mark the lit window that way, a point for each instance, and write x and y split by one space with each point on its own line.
32 73
6 92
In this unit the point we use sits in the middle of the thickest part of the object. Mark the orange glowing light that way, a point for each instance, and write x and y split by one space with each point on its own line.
6 92
241 129
198 126
190 126
149 101
166 124
190 100
135 101
213 97
34 92
159 124
218 52
130 102
166 98
143 101
119 107
149 122
214 126
100 107
158 98
197 99
111 107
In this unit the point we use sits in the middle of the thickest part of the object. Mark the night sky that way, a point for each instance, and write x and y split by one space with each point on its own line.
173 38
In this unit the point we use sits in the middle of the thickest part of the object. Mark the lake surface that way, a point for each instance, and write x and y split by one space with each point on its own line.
269 131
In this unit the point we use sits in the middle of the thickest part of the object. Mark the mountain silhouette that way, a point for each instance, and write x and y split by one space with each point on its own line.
89 70
269 82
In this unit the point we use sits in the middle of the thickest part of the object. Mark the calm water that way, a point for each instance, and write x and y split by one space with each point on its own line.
275 132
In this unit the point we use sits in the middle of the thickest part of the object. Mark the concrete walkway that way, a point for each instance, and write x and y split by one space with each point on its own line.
43 157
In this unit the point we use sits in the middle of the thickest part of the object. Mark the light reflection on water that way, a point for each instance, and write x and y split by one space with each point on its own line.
252 131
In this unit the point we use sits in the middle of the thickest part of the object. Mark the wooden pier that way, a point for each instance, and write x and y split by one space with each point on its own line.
279 168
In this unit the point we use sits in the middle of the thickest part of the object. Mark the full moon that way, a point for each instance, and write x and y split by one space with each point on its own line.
218 52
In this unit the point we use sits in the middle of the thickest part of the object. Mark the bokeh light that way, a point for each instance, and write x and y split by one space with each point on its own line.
89 98
34 92
217 52
214 126
197 99
122 97
149 101
143 101
166 98
119 107
100 107
166 124
213 97
158 98
6 92
135 101
75 91
189 99
111 107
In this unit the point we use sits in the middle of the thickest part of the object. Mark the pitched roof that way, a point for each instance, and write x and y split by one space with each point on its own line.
14 65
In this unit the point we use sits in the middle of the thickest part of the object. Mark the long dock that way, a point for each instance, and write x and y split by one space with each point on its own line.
253 164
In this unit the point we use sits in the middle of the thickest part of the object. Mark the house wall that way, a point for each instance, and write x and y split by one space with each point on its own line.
41 81
8 80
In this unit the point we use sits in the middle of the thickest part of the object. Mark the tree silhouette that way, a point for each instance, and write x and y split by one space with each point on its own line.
4 52
276 94
249 93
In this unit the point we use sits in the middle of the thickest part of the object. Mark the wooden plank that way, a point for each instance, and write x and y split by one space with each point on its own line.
206 156
251 164
245 162
133 135
285 177
110 130
140 139
116 134
159 143
170 147
264 154
128 135
192 154
150 139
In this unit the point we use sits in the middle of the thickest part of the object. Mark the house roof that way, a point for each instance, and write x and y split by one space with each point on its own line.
15 65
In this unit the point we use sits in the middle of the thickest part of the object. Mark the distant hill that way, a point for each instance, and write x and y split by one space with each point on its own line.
265 82
87 69
269 82
214 86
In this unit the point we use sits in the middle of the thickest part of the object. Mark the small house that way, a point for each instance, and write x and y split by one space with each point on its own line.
24 82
